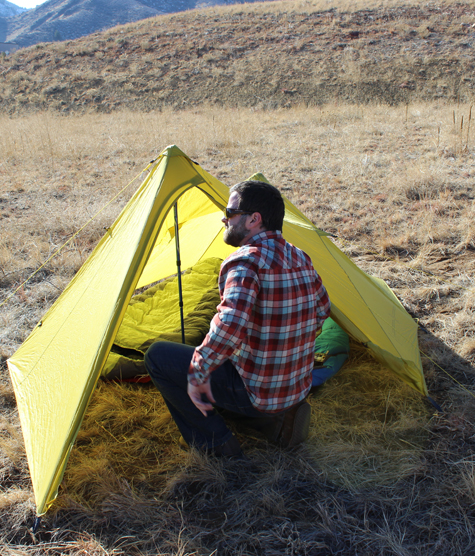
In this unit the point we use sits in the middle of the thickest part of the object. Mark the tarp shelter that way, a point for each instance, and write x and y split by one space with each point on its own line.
55 371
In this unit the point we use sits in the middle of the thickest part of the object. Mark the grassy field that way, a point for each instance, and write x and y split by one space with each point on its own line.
381 473
392 178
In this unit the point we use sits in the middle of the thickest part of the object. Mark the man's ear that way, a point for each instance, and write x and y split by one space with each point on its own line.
256 220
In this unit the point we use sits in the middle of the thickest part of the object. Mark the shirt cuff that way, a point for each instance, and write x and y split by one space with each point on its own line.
195 376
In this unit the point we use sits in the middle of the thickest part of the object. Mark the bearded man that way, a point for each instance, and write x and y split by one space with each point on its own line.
257 358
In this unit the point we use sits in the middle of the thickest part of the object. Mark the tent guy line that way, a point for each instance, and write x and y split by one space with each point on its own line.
446 372
403 263
75 235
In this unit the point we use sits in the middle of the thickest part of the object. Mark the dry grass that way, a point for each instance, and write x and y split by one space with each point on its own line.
128 476
380 474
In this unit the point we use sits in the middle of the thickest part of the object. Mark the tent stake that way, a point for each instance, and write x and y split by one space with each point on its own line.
36 525
178 266
435 404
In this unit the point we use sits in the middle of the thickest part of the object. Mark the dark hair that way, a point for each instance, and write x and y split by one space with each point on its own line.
261 197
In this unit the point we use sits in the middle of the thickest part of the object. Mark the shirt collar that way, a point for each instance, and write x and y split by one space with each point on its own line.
261 236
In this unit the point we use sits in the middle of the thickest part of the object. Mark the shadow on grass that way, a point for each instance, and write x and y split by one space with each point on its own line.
377 475
450 378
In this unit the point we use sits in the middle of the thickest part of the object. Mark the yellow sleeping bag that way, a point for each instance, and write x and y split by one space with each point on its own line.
154 315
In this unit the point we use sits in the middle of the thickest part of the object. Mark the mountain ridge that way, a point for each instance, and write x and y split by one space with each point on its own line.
58 20
8 9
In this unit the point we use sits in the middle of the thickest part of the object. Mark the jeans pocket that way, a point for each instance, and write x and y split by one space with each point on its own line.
239 401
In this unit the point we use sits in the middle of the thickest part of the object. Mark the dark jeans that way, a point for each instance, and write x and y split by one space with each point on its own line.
167 364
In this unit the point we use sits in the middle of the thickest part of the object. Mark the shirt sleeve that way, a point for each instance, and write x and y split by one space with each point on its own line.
229 326
323 303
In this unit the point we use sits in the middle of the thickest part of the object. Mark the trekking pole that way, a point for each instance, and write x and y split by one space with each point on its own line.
178 266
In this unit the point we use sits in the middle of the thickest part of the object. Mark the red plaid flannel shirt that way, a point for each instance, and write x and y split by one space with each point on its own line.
272 304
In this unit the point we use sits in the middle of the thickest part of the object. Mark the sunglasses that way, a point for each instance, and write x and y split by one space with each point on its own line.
229 212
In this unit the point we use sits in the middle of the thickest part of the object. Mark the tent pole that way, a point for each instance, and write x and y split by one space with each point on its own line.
178 266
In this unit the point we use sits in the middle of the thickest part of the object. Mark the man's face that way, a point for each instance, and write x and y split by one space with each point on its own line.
236 230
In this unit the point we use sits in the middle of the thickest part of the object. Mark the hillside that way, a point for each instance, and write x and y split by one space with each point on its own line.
240 56
7 11
58 20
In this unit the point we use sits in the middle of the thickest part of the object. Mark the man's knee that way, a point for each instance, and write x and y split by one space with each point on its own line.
154 358
163 359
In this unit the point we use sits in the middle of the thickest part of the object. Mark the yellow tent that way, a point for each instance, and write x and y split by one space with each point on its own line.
55 371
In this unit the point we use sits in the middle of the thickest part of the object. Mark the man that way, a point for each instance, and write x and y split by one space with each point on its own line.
257 357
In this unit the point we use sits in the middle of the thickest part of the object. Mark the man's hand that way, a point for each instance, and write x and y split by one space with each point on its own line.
196 392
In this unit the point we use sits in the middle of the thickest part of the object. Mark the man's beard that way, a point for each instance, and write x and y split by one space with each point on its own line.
233 235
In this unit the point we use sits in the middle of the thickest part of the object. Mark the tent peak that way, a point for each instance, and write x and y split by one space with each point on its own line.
173 150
